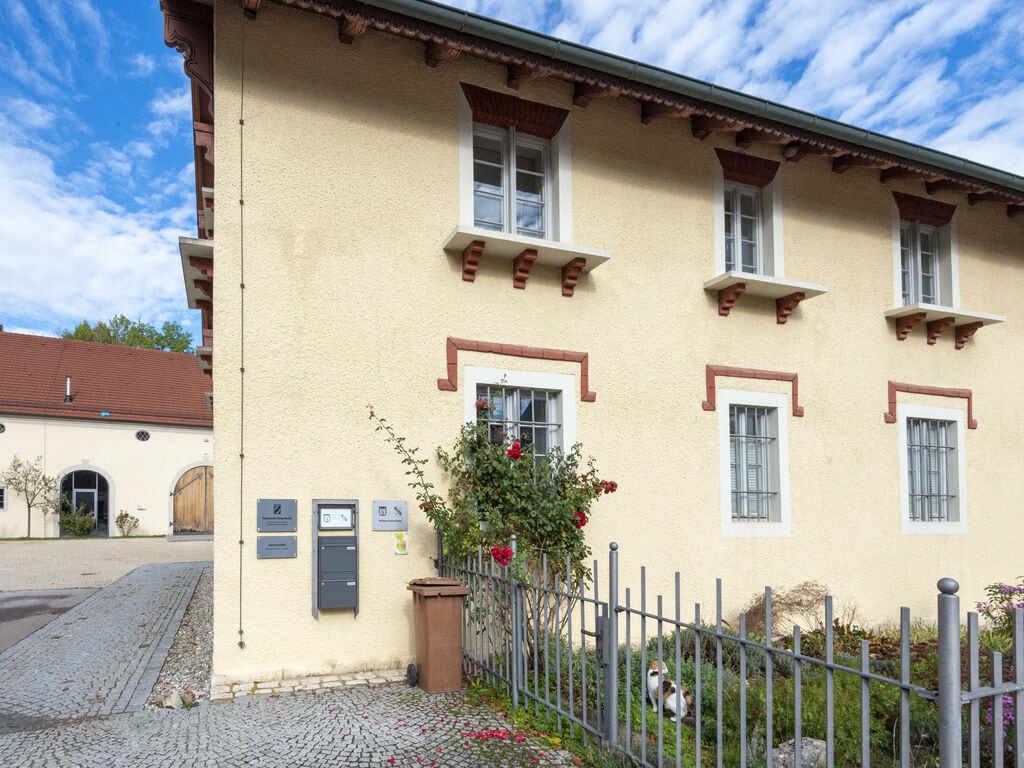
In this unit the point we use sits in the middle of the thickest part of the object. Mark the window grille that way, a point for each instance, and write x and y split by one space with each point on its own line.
931 470
752 460
531 417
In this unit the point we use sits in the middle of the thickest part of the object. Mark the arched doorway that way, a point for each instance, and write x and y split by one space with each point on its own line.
193 502
89 490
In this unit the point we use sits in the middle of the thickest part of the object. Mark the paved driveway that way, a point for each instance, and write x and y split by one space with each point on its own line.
72 694
40 580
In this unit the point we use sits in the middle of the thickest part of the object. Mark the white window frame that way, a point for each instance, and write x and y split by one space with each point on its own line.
511 141
949 269
782 526
563 383
958 418
771 260
558 203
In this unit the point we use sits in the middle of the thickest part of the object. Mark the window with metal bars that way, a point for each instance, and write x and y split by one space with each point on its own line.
753 463
531 417
932 470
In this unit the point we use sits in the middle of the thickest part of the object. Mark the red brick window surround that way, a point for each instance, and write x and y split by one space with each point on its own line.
453 345
922 389
712 372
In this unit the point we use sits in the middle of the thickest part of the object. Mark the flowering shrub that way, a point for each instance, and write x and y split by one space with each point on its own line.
126 523
77 521
1002 599
495 491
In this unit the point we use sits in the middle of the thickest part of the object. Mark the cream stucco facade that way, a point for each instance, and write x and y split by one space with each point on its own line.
338 184
140 475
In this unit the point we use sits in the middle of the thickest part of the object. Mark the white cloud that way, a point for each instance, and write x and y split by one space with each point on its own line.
90 258
177 103
141 65
29 114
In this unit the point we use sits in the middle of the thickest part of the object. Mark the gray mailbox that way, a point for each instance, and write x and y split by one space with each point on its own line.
335 554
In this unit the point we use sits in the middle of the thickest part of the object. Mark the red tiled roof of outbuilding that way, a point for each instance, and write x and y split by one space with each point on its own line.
108 382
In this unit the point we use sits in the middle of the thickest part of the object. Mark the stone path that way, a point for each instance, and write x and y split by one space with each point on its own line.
73 694
104 655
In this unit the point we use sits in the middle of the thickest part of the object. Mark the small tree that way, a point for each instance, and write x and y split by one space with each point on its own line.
28 479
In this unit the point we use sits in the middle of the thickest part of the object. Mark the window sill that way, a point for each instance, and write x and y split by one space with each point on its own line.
749 530
787 293
937 319
523 252
917 528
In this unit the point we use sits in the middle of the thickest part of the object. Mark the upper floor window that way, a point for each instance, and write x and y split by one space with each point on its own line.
932 469
753 439
743 238
926 251
515 165
3 498
919 263
748 215
511 178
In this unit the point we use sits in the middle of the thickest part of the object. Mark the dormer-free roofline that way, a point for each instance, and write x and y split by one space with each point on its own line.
449 32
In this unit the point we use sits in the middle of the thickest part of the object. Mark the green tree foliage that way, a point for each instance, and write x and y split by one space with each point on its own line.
28 479
133 333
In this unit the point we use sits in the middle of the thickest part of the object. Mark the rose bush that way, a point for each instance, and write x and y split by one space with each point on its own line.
497 490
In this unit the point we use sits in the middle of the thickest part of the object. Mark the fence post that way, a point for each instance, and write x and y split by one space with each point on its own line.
950 703
517 648
611 642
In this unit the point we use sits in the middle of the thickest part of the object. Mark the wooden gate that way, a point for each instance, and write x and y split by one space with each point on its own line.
193 501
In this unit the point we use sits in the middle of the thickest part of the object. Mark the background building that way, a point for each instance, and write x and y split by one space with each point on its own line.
123 429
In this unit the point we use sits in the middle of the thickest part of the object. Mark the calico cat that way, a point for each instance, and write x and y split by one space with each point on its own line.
667 694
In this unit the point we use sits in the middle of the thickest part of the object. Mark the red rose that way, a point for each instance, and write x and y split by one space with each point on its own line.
580 519
482 406
515 451
502 555
609 486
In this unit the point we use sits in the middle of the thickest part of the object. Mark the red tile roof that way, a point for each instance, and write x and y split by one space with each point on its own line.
108 382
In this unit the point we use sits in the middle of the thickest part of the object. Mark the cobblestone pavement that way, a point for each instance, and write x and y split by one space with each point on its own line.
72 695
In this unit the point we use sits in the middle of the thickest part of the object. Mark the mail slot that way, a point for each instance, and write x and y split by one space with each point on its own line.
339 569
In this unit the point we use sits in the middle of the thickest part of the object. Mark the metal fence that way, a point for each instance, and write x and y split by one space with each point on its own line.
579 654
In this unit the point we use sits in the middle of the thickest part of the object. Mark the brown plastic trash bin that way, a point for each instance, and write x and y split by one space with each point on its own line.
437 614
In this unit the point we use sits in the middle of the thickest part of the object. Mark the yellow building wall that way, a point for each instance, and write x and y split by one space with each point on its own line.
349 176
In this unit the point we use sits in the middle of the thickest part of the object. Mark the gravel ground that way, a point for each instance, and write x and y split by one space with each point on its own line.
186 672
87 562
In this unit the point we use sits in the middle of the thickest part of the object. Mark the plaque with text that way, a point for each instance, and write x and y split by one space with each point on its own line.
390 515
277 515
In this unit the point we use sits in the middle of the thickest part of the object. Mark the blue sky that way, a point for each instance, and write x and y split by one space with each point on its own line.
95 136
